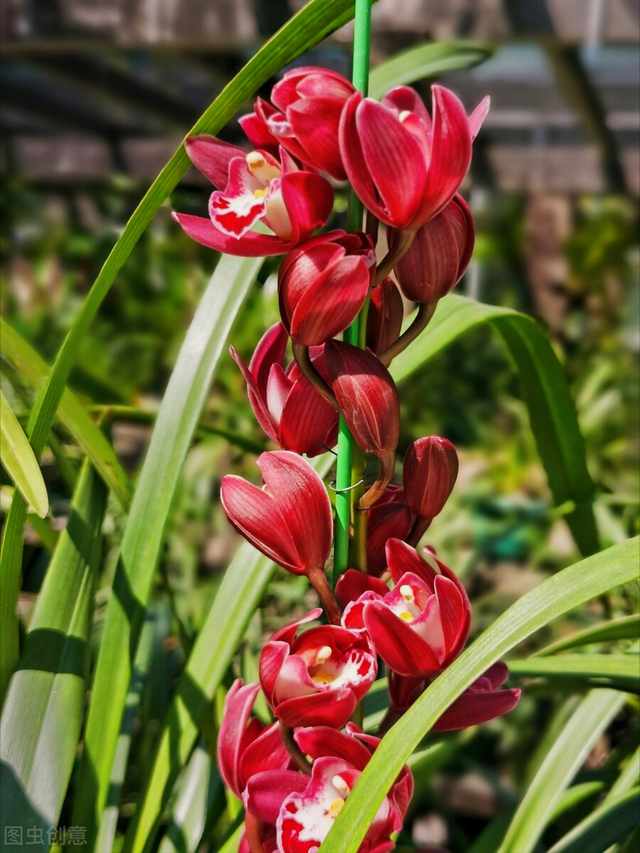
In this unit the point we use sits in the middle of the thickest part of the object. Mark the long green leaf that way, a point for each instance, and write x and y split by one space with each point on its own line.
42 716
624 628
620 672
19 461
559 594
142 541
600 829
544 390
71 412
424 61
305 29
560 765
239 594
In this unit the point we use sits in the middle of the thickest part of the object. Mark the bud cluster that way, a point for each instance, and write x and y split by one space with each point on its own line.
397 606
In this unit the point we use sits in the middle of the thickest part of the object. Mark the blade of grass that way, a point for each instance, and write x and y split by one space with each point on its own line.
558 595
19 460
602 828
33 370
143 536
424 61
624 628
619 672
42 716
544 390
305 29
239 594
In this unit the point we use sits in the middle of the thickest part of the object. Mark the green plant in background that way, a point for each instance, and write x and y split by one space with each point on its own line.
166 643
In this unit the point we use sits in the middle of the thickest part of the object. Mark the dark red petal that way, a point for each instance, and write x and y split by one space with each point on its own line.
353 583
315 124
272 659
309 202
402 558
303 501
321 741
256 400
353 158
256 515
212 156
237 710
453 607
472 709
326 708
309 424
397 644
250 245
266 752
266 792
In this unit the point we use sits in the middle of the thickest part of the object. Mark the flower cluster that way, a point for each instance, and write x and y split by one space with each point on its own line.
396 605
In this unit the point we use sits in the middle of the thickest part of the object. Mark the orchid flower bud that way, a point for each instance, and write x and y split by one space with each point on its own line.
289 518
439 254
429 474
323 284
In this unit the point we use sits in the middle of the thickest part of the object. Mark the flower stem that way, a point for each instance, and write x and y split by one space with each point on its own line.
299 758
346 473
420 322
318 581
303 360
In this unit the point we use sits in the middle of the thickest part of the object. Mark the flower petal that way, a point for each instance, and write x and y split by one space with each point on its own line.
477 117
212 157
402 558
454 608
315 122
250 245
320 741
397 643
308 424
353 583
272 659
308 199
256 399
266 792
237 710
472 709
303 502
326 708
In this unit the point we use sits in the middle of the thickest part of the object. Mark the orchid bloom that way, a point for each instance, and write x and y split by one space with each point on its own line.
305 119
288 408
422 624
429 474
289 519
306 817
323 284
405 165
258 189
439 255
316 677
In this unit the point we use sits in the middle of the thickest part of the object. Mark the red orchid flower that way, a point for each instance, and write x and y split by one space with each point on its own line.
429 474
305 120
439 254
245 745
289 519
259 188
405 165
323 284
338 760
287 406
316 677
481 702
422 624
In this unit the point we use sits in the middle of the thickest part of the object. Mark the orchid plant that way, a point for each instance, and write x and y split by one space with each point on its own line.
389 602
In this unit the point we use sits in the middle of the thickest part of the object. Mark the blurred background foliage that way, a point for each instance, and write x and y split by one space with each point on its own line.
499 531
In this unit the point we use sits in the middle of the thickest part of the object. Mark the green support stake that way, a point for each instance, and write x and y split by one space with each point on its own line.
355 335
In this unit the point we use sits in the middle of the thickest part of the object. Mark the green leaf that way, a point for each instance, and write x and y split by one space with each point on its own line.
559 594
19 461
562 762
624 628
600 829
42 716
198 787
620 672
239 594
71 413
305 29
544 390
426 60
143 536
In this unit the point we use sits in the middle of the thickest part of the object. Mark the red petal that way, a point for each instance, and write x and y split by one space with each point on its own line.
450 153
430 268
353 157
237 710
304 503
272 659
315 123
320 741
266 792
453 607
384 320
397 644
256 399
270 350
477 117
402 558
266 752
250 245
331 302
309 202
308 424
395 159
212 156
255 514
353 583
327 708
472 709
